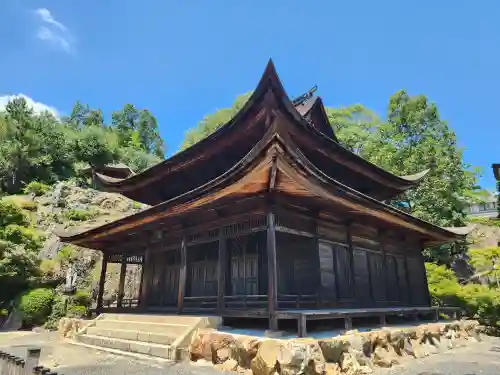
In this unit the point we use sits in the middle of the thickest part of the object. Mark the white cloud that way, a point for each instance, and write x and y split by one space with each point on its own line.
54 32
37 106
47 17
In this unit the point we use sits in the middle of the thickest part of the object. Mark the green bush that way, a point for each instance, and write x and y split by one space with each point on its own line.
79 215
36 188
17 234
81 298
479 301
76 311
35 306
58 312
10 213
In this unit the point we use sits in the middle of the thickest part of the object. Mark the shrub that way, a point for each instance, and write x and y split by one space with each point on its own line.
76 311
81 298
19 235
58 312
10 213
79 215
479 301
35 306
36 188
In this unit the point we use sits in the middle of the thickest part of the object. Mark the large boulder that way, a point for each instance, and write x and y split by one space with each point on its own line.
289 357
211 345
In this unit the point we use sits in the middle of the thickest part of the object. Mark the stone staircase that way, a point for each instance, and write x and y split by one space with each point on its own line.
161 336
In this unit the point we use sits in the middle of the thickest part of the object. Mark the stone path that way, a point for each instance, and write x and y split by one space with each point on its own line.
476 359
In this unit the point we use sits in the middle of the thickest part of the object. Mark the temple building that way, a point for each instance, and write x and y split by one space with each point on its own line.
268 215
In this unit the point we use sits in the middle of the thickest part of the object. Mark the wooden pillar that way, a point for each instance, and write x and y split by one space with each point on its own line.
302 325
272 277
102 280
182 275
221 272
121 285
145 279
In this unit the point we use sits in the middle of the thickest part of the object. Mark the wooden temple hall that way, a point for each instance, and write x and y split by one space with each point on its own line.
270 217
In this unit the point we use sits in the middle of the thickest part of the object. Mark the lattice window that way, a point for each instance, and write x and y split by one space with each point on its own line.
255 222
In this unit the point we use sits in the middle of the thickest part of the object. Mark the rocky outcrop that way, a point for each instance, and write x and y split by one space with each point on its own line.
69 327
353 354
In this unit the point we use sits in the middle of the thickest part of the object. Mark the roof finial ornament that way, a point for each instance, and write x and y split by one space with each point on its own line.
302 98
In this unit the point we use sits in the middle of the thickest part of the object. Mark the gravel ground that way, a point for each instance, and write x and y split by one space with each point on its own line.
68 359
476 359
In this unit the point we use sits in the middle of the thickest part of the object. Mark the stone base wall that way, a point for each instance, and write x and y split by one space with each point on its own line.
351 354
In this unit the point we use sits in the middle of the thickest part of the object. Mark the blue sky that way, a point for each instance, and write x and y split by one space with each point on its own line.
185 59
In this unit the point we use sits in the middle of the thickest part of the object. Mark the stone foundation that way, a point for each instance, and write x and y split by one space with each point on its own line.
354 353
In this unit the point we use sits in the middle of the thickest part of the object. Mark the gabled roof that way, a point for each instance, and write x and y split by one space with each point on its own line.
295 179
218 152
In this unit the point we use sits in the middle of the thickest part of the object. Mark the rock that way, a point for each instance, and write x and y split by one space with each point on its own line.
397 341
383 357
69 327
289 357
418 351
332 369
266 360
366 370
349 364
245 350
333 348
211 345
202 362
229 365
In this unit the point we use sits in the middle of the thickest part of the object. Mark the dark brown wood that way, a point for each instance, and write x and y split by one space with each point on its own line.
102 280
121 285
221 273
145 279
272 272
182 276
302 325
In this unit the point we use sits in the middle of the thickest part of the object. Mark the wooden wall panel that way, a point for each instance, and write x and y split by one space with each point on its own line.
362 278
392 279
402 279
327 273
418 282
298 264
377 276
345 279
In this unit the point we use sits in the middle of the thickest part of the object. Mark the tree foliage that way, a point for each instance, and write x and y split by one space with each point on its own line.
214 121
39 147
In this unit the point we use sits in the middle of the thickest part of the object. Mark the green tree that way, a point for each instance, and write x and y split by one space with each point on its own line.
138 128
486 263
214 121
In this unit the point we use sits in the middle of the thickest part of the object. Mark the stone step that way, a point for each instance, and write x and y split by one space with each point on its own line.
145 348
153 318
162 328
125 334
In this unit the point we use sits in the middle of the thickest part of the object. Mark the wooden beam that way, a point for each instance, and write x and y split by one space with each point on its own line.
102 280
272 290
182 275
121 285
221 272
272 175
